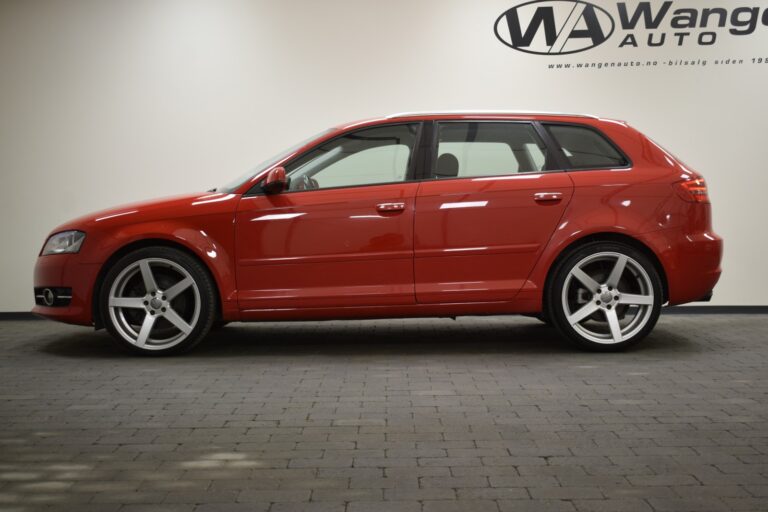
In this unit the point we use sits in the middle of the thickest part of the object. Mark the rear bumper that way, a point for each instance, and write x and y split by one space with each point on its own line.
691 262
66 271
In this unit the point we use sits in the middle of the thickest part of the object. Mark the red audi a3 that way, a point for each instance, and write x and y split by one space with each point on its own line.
581 221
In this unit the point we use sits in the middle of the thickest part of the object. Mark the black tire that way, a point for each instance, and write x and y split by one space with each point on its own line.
648 278
203 287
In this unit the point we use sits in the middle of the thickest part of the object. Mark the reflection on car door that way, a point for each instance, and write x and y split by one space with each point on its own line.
487 215
342 235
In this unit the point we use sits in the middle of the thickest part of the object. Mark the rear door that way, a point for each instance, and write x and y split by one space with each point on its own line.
486 212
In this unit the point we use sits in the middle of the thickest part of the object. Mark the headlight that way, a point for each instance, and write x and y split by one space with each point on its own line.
64 242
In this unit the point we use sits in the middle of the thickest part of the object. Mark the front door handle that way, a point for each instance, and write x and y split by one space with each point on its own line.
547 197
390 207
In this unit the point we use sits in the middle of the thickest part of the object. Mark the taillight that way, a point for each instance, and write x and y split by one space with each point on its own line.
694 191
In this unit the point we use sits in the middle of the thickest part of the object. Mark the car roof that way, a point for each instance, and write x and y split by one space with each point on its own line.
468 114
502 113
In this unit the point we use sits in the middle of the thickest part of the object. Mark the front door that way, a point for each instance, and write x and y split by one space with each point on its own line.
341 235
487 213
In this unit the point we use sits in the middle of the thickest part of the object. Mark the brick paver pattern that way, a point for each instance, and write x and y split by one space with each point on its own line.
480 414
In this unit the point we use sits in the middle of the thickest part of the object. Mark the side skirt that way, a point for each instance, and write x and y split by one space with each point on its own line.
370 312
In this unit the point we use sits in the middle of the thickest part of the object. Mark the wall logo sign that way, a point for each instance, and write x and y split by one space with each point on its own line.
562 27
554 27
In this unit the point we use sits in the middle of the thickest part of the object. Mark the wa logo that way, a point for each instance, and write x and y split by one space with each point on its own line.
554 27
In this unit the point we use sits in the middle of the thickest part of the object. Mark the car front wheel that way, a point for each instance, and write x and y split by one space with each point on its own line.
158 301
605 296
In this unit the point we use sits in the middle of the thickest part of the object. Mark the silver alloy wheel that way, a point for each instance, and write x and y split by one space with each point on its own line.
608 297
154 303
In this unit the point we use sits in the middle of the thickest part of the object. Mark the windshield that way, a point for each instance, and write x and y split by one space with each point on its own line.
238 182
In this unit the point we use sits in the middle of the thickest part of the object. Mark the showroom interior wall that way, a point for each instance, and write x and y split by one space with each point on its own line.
109 102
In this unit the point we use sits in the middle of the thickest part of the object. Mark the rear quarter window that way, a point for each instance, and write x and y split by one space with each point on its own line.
585 148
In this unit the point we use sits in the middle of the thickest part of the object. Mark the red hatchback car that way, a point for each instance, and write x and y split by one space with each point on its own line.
581 221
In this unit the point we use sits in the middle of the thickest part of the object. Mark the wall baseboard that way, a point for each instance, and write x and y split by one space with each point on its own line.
716 310
673 310
18 315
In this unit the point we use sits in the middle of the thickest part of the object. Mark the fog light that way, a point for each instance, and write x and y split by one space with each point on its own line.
53 296
48 297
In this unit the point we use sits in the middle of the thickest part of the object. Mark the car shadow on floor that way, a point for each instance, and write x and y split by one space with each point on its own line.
445 336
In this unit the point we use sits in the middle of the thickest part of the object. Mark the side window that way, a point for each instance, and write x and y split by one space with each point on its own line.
487 149
364 157
585 148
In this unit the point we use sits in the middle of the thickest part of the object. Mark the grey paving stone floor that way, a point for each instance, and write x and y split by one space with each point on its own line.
480 414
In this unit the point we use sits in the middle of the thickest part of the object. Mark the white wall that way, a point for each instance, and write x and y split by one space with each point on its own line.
107 102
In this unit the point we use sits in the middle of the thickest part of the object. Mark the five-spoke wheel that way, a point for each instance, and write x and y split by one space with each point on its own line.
158 300
605 296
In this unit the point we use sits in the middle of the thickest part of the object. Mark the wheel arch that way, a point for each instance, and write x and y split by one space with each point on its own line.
141 244
606 237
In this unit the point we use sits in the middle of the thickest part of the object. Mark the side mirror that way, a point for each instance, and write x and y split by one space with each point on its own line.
275 182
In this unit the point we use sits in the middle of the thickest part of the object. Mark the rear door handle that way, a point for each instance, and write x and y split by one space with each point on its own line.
390 207
547 197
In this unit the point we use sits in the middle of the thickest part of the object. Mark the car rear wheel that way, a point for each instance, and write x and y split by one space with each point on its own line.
158 301
605 296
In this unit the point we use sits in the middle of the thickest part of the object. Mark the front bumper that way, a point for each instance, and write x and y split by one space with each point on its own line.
66 271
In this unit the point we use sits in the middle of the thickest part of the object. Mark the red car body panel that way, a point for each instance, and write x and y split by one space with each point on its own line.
201 223
477 239
330 253
326 248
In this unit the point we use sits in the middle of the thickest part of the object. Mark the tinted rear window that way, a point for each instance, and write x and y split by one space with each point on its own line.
487 149
585 148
